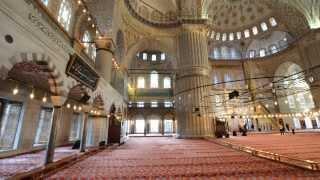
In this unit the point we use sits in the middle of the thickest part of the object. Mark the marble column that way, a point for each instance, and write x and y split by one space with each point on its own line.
57 102
162 125
174 126
85 116
192 76
104 58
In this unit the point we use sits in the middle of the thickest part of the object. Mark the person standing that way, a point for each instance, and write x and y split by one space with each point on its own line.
287 126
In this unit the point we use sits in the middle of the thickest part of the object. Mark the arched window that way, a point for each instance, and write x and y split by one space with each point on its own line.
141 82
252 53
85 40
163 56
167 82
264 26
154 57
154 79
218 36
262 52
224 36
64 16
231 36
246 33
45 2
239 35
255 30
273 22
144 56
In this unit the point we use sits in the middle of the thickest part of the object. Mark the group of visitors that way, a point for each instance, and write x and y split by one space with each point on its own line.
285 128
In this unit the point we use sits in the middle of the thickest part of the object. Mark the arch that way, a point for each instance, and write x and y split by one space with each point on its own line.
150 44
79 93
82 24
169 115
55 81
294 94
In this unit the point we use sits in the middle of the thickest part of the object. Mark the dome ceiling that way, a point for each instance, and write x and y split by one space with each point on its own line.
163 6
102 10
233 15
224 15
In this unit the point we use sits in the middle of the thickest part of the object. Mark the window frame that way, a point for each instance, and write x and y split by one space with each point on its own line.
16 138
262 51
167 83
65 14
246 33
141 85
154 80
255 30
273 22
264 27
38 133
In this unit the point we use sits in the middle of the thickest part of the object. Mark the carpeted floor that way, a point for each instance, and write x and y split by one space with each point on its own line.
169 158
304 146
26 162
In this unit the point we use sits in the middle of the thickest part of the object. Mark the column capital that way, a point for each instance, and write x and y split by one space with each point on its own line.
201 28
105 43
58 101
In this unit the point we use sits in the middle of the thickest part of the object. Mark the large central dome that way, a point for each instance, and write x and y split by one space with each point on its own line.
222 15
230 15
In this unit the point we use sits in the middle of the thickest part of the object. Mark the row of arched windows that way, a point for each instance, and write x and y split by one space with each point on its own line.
246 33
151 56
65 11
64 18
154 81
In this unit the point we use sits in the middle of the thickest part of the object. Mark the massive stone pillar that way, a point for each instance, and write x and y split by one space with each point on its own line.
104 58
193 73
57 102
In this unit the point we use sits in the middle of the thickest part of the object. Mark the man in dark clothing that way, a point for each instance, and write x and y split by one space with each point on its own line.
287 126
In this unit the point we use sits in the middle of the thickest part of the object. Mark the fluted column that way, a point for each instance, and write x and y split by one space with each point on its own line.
193 74
104 58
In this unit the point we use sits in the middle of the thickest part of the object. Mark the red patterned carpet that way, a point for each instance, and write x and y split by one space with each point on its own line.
304 146
23 163
169 158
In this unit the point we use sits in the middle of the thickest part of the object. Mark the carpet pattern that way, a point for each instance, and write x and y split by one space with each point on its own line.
26 162
305 146
169 158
